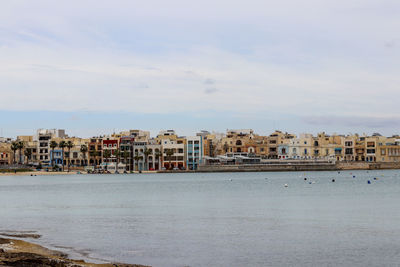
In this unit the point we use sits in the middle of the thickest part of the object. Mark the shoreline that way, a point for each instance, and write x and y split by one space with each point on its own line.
342 166
16 252
37 173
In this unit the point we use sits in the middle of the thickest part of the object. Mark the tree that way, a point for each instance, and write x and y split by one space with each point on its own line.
62 145
14 148
53 145
137 158
169 152
84 150
125 154
158 156
20 145
69 146
106 155
146 153
117 154
226 147
94 154
28 154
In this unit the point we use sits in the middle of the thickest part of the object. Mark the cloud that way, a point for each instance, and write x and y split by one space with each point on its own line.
158 57
209 81
353 121
211 90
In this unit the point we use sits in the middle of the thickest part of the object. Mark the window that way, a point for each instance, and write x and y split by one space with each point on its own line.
190 142
383 151
370 144
196 142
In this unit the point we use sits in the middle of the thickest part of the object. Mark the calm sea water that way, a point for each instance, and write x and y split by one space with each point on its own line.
213 219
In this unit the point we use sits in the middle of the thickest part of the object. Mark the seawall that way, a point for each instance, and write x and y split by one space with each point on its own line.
299 167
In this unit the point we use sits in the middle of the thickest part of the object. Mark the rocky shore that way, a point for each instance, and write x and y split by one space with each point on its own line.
24 254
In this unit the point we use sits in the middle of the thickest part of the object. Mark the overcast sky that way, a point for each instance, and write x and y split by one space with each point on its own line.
301 66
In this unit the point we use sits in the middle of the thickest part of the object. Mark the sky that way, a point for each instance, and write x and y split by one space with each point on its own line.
94 67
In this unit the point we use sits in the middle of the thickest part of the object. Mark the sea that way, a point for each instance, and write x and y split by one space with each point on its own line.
347 218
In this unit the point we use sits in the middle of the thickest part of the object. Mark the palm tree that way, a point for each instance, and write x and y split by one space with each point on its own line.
62 145
137 158
146 153
53 145
170 153
117 154
125 154
28 154
69 146
158 156
84 150
106 155
226 147
20 145
94 154
14 148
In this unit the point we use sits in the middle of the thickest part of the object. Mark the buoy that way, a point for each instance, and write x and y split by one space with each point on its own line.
305 179
369 182
375 178
333 180
286 185
354 176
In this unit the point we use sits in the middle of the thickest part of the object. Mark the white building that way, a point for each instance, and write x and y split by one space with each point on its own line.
194 152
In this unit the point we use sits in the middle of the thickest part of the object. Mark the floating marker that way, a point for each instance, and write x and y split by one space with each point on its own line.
286 185
305 179
354 176
369 182
333 180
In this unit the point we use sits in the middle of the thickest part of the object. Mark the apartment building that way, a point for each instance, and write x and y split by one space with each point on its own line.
194 152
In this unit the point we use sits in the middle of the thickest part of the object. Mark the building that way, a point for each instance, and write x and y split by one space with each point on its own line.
43 138
6 154
173 150
95 151
194 152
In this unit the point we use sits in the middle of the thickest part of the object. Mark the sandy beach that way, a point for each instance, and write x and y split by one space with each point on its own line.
15 252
